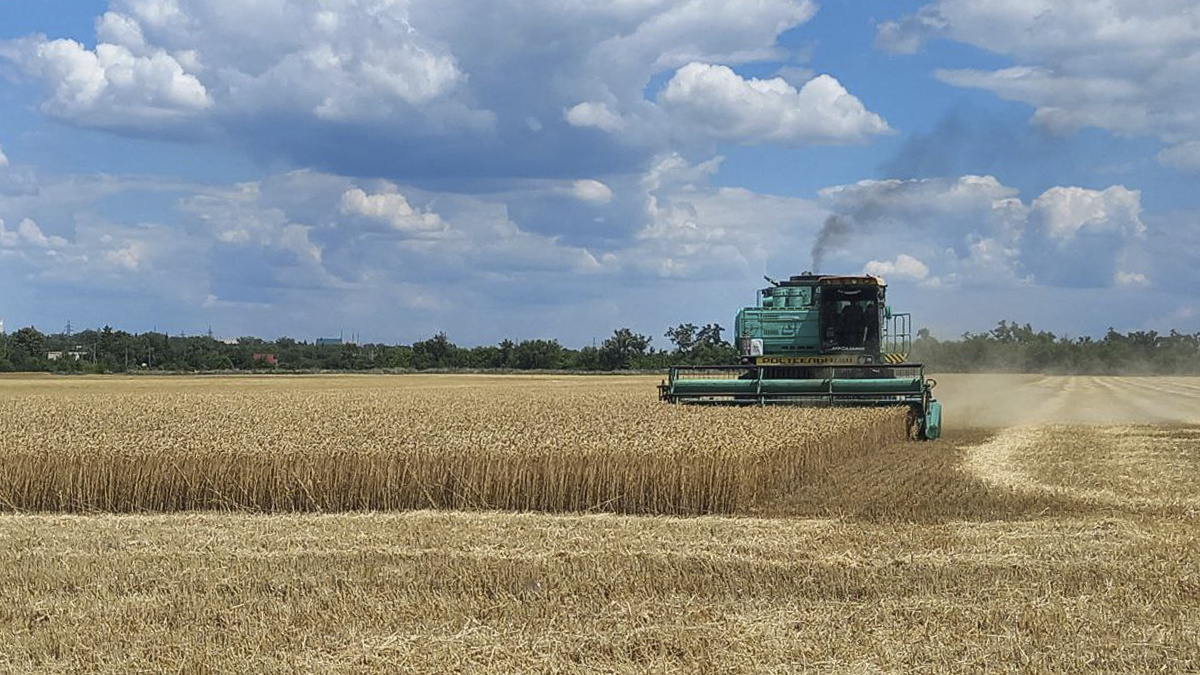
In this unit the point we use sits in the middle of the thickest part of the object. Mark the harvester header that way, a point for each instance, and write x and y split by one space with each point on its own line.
817 340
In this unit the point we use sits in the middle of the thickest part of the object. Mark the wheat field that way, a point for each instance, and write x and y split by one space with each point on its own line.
1057 537
339 444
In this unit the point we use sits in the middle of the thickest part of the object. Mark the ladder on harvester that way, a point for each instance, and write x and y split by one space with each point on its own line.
897 338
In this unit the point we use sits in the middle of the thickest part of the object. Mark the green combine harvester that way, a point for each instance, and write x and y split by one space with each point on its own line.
817 340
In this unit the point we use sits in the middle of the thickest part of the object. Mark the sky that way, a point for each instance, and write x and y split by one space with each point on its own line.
561 168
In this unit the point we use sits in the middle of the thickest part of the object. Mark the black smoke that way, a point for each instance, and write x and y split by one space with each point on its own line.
834 233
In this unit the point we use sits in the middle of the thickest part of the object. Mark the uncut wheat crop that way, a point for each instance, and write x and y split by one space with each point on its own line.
326 444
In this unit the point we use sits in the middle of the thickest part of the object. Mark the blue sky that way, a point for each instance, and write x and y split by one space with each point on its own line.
559 169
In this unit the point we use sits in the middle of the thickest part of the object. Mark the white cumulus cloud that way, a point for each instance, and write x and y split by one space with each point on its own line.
728 107
3 158
393 208
167 63
508 88
129 257
109 86
903 267
1065 212
27 235
595 114
592 191
975 231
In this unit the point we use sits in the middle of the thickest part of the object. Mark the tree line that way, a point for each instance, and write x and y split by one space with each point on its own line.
1010 347
115 351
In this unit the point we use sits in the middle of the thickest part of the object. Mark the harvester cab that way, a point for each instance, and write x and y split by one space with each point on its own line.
817 340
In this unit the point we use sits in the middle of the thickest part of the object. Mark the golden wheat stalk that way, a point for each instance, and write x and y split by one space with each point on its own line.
603 448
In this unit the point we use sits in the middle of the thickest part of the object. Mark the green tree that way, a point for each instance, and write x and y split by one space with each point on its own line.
619 351
537 355
710 335
27 349
682 336
436 352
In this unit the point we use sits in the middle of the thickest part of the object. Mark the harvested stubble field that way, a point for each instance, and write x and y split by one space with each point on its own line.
1060 536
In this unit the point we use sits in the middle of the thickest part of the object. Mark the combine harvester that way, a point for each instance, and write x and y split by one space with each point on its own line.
818 340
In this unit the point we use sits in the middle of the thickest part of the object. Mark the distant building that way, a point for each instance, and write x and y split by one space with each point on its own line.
267 358
321 342
74 355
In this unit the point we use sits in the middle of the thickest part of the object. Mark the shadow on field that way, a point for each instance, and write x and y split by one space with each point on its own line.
917 482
